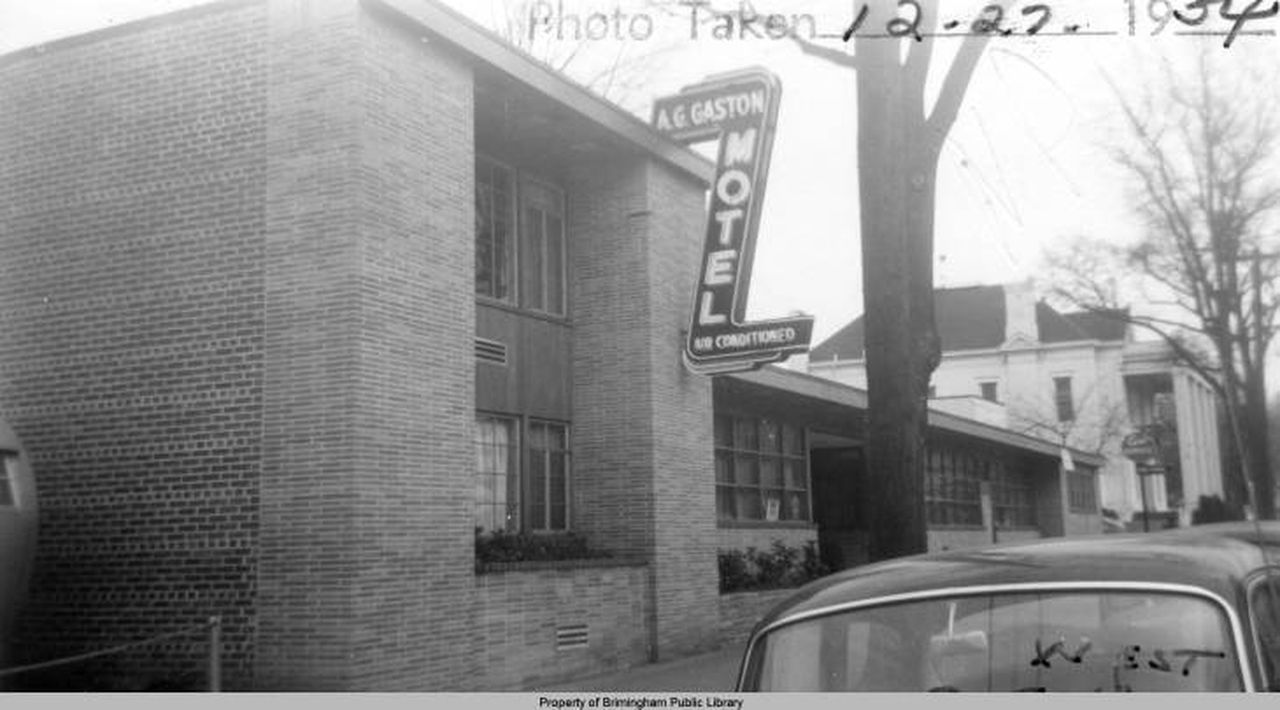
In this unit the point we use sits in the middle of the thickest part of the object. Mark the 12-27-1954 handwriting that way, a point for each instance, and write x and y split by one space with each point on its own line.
1039 18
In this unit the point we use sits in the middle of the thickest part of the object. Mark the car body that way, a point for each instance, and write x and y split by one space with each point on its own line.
1193 609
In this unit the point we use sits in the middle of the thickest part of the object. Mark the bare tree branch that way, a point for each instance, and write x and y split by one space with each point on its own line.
1205 181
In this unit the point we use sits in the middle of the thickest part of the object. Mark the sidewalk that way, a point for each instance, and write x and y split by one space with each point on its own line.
717 670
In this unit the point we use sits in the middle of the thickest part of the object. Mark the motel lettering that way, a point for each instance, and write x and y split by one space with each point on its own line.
739 112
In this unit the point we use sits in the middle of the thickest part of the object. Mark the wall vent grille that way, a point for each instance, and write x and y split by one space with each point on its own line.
571 637
491 351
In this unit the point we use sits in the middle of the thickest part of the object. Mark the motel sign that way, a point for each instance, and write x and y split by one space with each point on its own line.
740 112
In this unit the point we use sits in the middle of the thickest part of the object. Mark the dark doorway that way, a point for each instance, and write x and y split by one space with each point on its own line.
839 506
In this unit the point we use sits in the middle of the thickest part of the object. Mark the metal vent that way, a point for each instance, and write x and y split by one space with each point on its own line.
491 351
571 637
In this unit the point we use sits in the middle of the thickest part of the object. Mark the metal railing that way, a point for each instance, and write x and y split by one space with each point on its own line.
213 663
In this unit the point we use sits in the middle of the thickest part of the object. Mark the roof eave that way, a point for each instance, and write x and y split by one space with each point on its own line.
483 45
827 390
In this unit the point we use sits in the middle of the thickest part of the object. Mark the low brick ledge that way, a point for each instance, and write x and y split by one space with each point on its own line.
553 565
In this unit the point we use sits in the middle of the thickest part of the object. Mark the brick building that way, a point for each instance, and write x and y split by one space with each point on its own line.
298 294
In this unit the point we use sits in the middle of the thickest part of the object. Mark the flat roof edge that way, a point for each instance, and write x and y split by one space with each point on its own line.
838 393
480 43
124 28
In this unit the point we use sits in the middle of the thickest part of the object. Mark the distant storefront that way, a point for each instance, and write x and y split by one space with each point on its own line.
300 298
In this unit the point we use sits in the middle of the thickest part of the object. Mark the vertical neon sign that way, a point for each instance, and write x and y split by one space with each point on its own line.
740 112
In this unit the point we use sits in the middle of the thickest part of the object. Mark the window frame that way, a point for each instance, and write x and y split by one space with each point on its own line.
527 475
1082 501
521 453
526 184
1063 399
951 494
729 487
954 477
511 298
514 448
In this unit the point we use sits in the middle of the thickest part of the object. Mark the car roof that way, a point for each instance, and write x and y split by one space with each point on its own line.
1215 557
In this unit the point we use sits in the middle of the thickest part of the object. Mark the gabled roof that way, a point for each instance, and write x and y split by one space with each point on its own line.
973 318
1101 325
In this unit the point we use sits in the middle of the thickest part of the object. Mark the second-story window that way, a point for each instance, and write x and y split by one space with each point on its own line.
542 252
495 230
989 391
1062 399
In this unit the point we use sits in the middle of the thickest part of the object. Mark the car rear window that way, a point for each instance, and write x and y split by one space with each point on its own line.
1044 642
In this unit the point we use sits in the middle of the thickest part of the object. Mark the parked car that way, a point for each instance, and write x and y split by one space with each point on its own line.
1192 609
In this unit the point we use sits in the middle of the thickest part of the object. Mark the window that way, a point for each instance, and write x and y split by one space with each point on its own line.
542 252
548 476
8 479
506 500
1005 641
1062 399
989 391
953 488
497 490
953 491
761 470
537 228
1264 607
494 230
1082 492
1012 500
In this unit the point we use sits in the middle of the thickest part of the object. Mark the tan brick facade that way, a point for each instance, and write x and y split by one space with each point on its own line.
239 304
239 312
132 359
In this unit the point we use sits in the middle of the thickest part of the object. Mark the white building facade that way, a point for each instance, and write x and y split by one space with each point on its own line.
1077 378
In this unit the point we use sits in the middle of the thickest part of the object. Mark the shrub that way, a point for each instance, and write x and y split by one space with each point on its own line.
781 567
735 571
1212 509
498 546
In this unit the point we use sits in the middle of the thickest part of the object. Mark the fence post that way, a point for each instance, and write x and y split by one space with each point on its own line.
215 654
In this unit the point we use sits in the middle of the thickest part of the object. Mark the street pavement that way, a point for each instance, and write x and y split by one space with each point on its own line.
716 670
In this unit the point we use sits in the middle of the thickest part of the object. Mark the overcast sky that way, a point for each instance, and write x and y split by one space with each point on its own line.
1022 170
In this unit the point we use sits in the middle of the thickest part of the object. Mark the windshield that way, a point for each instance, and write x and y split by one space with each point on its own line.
1054 642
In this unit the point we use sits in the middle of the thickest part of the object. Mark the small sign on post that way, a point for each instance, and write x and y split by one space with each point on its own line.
1142 448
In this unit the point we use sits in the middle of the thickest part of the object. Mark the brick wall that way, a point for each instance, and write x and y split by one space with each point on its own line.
367 474
131 330
644 472
613 456
740 611
238 326
415 403
763 538
308 555
519 613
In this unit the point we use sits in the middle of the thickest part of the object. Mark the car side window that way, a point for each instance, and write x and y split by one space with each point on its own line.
1264 608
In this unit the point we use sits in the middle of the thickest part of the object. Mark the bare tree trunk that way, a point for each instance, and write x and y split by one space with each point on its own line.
897 182
1256 443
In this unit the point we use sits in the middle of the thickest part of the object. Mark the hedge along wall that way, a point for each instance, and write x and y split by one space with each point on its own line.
545 622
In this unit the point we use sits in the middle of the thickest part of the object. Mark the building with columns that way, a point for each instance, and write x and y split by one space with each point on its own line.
1079 378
